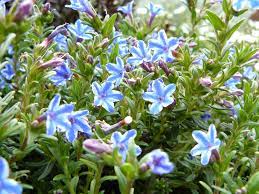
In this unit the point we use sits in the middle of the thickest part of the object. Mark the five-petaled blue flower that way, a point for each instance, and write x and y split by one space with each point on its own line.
122 142
159 163
78 123
62 74
249 73
206 144
127 9
80 30
163 47
83 6
7 186
61 41
160 96
105 96
154 11
57 115
117 71
140 54
8 72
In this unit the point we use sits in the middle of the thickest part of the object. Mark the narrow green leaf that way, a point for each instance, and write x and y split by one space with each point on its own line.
108 27
207 187
252 185
217 23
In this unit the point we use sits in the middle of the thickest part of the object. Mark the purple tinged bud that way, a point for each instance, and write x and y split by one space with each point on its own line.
55 62
23 10
237 92
46 8
214 156
205 82
237 76
97 146
227 104
164 67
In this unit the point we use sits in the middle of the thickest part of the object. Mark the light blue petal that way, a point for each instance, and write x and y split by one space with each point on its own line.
158 87
64 109
150 96
54 102
50 127
198 150
201 138
10 186
71 135
131 134
167 101
4 169
107 87
155 108
205 157
96 88
80 113
116 137
107 105
212 133
169 89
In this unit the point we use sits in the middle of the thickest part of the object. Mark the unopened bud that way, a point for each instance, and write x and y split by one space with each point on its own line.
237 92
97 146
205 82
55 62
24 10
214 156
164 67
46 8
237 76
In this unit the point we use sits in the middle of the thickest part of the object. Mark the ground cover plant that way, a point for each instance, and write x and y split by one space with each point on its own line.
120 97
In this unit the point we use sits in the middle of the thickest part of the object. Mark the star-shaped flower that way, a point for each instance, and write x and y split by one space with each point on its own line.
80 30
8 72
127 9
122 142
105 96
57 115
78 123
83 6
62 74
206 144
163 47
140 54
159 95
159 163
249 73
7 186
154 11
116 70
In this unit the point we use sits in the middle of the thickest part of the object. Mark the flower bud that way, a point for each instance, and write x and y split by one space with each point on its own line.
205 82
55 62
237 76
214 156
97 146
237 92
46 8
24 10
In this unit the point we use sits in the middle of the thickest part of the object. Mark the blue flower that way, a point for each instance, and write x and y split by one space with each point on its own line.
117 71
80 30
62 74
254 4
163 47
8 72
78 123
140 54
105 96
249 73
57 116
160 96
232 82
154 11
61 41
121 42
241 4
206 144
127 9
159 163
83 6
122 142
7 186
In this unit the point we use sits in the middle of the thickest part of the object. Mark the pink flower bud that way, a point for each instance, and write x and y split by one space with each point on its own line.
97 146
24 10
205 82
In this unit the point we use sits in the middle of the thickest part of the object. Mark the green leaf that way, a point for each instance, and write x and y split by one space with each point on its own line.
207 187
89 164
222 190
217 23
46 171
252 185
5 44
108 27
121 178
108 178
74 182
59 177
231 31
129 170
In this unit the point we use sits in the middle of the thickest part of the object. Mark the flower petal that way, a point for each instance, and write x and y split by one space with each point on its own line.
205 157
155 108
4 169
201 138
